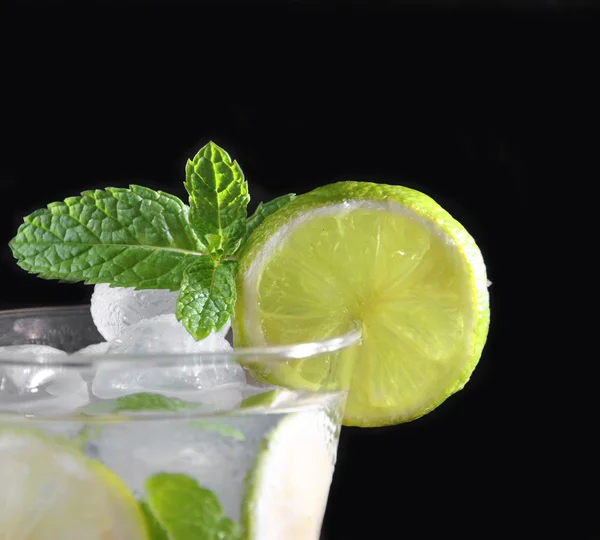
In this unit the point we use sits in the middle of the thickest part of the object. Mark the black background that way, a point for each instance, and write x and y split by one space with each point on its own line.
459 101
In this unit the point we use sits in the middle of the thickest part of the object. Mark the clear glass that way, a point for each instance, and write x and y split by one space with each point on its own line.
217 435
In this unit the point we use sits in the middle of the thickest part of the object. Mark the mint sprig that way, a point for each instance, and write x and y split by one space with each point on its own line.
138 237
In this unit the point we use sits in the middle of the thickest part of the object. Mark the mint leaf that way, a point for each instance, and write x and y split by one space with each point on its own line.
153 527
263 210
218 200
187 511
207 296
142 401
146 401
132 237
222 429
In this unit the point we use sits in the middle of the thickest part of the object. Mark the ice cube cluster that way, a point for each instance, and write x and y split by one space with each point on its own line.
135 324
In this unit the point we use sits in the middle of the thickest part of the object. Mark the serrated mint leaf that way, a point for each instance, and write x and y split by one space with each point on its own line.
218 200
153 527
132 237
264 210
222 429
207 296
146 401
187 511
142 401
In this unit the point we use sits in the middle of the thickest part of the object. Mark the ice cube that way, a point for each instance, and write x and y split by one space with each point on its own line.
115 308
40 388
223 331
67 383
197 381
29 349
164 334
94 349
29 376
188 380
44 403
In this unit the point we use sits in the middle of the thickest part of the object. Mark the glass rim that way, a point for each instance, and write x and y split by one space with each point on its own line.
259 354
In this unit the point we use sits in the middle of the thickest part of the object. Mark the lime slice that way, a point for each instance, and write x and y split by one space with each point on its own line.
387 256
50 491
289 485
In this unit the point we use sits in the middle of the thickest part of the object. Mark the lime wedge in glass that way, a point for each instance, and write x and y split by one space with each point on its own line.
51 491
287 489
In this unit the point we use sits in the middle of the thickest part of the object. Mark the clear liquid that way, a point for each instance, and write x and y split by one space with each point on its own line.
218 451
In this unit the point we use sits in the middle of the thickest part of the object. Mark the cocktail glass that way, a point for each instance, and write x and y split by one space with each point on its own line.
266 453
